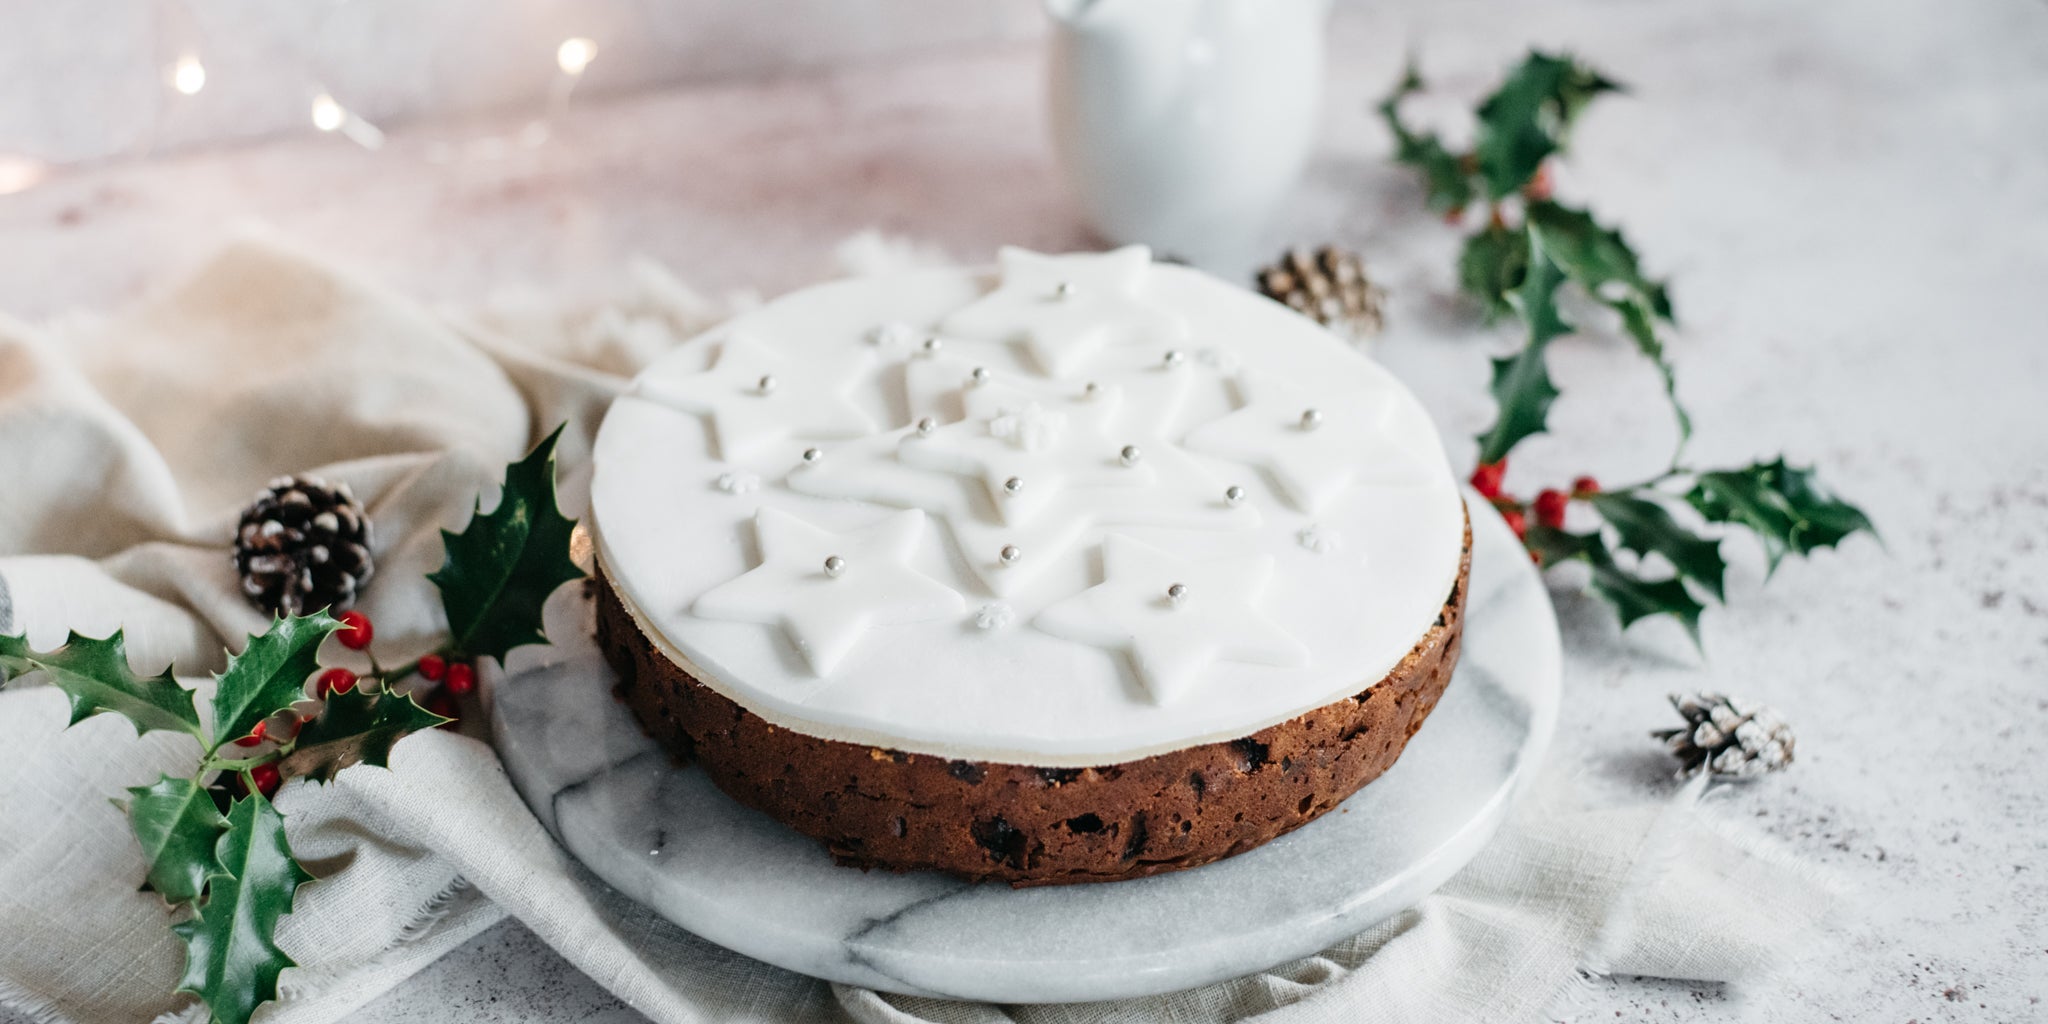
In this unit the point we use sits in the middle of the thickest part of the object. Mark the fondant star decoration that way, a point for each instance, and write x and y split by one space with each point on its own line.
825 589
1173 488
1174 617
1027 449
1064 309
1314 444
756 397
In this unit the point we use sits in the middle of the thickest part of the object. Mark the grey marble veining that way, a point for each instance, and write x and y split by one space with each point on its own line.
667 837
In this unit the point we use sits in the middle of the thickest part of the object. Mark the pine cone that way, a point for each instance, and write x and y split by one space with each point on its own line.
1329 287
1728 737
303 545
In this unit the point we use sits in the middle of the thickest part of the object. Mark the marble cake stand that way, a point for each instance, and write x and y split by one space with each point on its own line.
666 837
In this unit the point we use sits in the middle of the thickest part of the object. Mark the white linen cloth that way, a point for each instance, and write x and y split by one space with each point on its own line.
127 448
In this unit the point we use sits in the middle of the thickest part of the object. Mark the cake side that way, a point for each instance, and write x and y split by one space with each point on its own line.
1025 825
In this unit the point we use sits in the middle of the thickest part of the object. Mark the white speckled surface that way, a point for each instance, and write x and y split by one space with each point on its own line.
1852 198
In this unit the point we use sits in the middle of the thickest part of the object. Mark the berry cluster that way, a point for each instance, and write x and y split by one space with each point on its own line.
1549 505
449 681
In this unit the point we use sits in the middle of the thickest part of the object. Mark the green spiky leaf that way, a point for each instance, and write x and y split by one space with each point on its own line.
1530 117
269 675
1788 510
1522 388
1492 265
354 728
231 959
500 570
178 827
14 658
1633 596
1597 257
95 675
1646 527
1445 175
1636 322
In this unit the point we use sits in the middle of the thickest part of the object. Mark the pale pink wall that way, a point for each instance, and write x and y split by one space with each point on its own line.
86 81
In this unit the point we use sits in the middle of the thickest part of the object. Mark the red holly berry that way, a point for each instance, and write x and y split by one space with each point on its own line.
1540 186
333 681
267 778
355 632
1486 479
461 679
1585 485
1516 521
1550 506
432 667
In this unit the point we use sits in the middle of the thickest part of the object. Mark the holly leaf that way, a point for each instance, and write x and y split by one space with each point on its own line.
1633 596
1444 174
1636 322
95 675
14 658
177 826
1646 527
1530 116
1785 507
1598 258
354 728
269 675
500 570
1522 388
231 960
1492 265
1605 265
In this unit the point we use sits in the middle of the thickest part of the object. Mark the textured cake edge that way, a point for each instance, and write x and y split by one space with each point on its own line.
875 807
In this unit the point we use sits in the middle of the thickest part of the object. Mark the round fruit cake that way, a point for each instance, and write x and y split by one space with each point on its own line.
1078 569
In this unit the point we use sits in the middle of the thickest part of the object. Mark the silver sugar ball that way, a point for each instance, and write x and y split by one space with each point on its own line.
1063 290
766 384
1177 593
1091 389
1175 357
1311 419
1010 554
932 345
1130 455
1233 495
1013 485
979 375
813 454
926 425
835 566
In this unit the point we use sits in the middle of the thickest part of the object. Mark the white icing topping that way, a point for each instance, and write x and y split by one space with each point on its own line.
1319 538
1174 616
757 396
1315 441
1012 679
995 615
826 588
1067 308
739 483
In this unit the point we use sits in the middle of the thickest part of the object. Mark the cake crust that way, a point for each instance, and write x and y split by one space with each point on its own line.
874 807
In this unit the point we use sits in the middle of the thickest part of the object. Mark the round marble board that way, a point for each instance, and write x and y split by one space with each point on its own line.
666 837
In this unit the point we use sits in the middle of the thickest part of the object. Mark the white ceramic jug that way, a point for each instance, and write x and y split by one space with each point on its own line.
1182 123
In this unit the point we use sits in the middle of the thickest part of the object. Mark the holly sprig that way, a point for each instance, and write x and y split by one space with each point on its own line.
1645 554
213 845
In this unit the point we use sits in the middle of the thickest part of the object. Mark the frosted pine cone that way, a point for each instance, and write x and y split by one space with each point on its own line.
303 545
1728 737
1328 286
